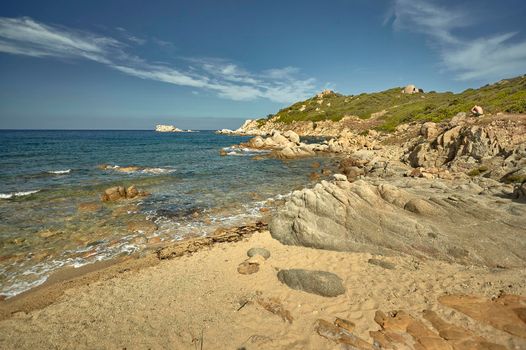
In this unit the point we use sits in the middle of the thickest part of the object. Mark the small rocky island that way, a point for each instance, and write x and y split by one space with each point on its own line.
169 128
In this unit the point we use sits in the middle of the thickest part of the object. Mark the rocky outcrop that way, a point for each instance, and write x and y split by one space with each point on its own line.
249 127
119 192
493 146
411 89
285 145
304 128
467 222
324 93
169 128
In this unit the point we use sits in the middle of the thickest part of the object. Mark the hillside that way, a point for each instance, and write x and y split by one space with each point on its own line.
392 107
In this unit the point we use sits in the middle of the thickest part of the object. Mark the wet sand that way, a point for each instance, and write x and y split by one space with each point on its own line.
177 303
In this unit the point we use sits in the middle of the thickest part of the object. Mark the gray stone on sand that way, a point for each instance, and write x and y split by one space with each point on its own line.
322 283
258 251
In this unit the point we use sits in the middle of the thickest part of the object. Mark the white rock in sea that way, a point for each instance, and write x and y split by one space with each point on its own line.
167 128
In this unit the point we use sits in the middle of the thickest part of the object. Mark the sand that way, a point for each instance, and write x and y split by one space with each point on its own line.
174 304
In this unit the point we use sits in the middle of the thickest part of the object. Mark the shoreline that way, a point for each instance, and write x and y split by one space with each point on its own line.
202 298
70 277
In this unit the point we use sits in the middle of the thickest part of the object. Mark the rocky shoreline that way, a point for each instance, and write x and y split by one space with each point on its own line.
430 217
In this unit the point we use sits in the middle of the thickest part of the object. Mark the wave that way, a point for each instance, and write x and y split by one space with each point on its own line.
17 194
59 172
236 151
138 169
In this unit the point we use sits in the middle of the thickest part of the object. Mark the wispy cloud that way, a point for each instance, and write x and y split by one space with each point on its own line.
25 36
469 58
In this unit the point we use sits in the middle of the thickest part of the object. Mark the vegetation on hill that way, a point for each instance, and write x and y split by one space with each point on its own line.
393 107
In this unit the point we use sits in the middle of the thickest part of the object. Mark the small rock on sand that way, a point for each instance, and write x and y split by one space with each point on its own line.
381 263
247 268
322 283
258 251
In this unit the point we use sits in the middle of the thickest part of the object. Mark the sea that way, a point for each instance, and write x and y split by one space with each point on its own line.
51 214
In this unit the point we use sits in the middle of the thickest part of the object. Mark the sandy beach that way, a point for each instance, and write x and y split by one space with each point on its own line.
179 303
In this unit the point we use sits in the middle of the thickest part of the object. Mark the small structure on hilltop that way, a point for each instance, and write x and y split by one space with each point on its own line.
324 93
411 89
477 110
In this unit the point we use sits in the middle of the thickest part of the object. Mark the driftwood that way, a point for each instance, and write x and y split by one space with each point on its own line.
275 306
220 236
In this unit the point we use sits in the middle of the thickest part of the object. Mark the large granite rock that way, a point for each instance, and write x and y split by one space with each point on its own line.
322 283
423 217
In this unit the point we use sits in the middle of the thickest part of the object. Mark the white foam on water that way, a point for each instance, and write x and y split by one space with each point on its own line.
142 170
165 170
236 151
17 194
15 285
59 172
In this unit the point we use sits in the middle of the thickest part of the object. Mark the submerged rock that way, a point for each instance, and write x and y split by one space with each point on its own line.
89 207
322 283
143 226
119 192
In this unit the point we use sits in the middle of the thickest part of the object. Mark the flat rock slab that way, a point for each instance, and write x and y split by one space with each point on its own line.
322 283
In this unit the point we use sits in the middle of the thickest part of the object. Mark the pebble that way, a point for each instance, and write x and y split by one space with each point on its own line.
258 251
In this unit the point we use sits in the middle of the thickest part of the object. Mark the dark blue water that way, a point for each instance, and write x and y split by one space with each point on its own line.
46 176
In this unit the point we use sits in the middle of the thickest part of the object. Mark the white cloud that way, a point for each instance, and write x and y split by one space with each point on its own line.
479 58
25 36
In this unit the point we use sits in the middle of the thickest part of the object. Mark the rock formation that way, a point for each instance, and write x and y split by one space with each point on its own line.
119 192
459 221
169 128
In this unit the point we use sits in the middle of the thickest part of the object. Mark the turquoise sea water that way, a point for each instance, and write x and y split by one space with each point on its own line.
46 175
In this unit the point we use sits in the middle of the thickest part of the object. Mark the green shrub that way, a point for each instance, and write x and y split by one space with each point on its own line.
505 96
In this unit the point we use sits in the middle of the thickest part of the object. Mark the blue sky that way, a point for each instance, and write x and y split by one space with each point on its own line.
210 64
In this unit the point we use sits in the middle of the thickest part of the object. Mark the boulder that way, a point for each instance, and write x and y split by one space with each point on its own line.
294 152
429 130
519 191
340 177
119 192
258 251
132 192
322 283
292 136
256 142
